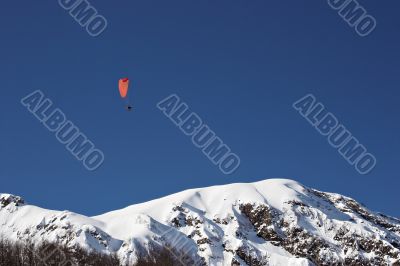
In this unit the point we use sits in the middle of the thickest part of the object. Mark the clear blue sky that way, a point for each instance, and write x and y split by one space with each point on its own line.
239 64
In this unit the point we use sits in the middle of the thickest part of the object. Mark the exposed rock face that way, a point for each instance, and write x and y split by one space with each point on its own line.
264 221
344 246
273 222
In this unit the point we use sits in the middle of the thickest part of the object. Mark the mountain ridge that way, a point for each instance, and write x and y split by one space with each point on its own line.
269 222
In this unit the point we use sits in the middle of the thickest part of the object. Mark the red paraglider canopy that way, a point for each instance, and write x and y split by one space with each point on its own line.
123 85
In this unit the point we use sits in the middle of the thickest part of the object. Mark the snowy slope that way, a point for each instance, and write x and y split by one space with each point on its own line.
272 222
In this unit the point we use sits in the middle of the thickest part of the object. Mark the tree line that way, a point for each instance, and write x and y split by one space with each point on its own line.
51 254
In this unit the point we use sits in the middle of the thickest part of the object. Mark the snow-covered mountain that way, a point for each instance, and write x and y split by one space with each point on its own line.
272 222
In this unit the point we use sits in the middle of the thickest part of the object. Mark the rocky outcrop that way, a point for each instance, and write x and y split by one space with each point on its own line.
7 199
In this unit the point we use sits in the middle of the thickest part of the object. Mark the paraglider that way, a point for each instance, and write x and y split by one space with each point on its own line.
123 86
